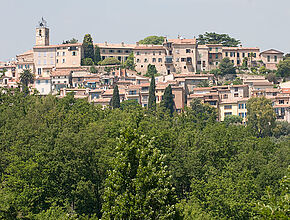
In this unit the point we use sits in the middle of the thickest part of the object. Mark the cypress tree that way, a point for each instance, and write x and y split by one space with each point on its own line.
152 98
88 47
98 57
116 98
168 101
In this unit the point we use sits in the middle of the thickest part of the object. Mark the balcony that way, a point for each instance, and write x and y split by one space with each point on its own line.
188 60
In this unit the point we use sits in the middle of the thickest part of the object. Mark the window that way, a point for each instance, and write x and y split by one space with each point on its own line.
236 95
233 61
227 54
119 58
44 62
238 62
145 60
216 49
63 60
39 71
154 53
44 54
184 67
249 54
177 59
242 114
51 55
275 58
63 53
225 96
268 58
199 62
255 54
153 60
203 63
138 60
39 62
281 101
137 53
241 106
182 59
74 53
238 54
188 50
216 56
39 54
160 52
231 54
210 49
120 51
126 51
111 51
228 113
236 89
56 60
210 56
228 107
159 60
216 63
243 54
57 54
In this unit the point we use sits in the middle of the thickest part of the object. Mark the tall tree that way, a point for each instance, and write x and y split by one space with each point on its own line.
116 98
214 38
168 101
151 70
283 68
152 97
98 57
227 67
140 185
261 116
26 77
155 40
129 63
88 47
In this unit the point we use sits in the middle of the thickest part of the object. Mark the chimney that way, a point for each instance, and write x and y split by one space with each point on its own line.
137 43
106 43
123 44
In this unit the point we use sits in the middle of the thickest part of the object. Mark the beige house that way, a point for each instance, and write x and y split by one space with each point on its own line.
271 58
233 107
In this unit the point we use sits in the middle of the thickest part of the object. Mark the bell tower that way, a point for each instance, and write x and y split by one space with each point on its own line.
42 34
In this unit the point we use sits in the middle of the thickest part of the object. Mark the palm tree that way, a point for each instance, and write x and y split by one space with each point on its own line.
26 77
251 58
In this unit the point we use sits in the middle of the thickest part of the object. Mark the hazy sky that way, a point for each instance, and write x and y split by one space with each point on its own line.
261 23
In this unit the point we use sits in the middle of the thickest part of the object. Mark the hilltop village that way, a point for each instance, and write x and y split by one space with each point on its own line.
188 67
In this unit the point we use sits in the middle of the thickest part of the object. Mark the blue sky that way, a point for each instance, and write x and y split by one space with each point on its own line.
257 23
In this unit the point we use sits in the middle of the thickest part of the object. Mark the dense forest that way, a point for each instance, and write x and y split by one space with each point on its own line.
68 159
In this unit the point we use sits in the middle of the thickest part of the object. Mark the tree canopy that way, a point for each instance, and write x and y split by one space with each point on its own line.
88 47
227 67
65 158
283 68
110 61
155 40
129 63
151 70
215 38
152 97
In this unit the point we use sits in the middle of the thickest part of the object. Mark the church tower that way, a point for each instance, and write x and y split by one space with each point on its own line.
42 34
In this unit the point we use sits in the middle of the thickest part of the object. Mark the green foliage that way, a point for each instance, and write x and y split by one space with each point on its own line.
71 41
263 70
233 119
214 38
271 77
261 116
276 206
152 97
87 62
203 83
110 61
129 63
116 98
139 186
93 69
97 56
237 81
283 68
227 67
167 101
88 47
155 40
60 158
151 70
